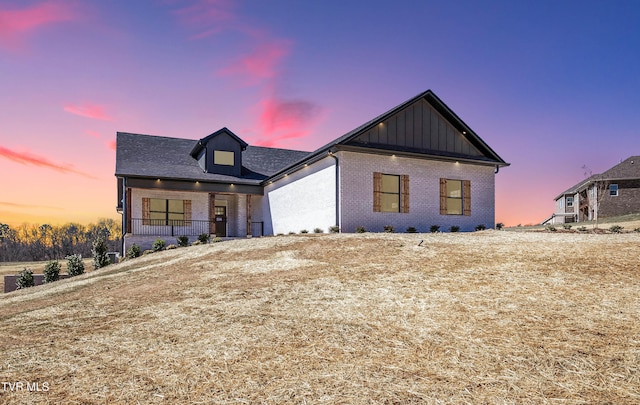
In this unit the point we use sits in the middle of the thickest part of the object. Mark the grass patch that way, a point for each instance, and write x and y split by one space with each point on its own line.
508 318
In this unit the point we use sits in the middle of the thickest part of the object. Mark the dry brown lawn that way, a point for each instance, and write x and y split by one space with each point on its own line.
485 317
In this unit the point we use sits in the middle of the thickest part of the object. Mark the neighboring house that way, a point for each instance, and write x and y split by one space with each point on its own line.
416 165
613 193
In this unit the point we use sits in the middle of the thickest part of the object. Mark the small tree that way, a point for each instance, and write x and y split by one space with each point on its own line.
204 238
99 252
158 245
434 228
389 229
51 271
24 279
183 241
133 251
75 265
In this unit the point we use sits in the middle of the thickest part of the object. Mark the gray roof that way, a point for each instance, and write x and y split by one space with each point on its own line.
169 158
625 170
161 157
490 156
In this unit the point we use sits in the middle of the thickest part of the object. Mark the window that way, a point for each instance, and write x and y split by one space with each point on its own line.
390 193
455 197
221 157
390 198
613 190
569 202
158 211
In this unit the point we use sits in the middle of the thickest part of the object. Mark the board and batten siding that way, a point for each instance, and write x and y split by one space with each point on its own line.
357 193
418 127
305 199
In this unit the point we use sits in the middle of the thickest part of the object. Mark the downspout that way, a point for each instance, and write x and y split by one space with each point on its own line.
497 169
124 213
337 189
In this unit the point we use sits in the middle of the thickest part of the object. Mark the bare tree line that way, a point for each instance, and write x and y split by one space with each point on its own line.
34 242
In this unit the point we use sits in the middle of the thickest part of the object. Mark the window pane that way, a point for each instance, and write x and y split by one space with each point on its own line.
157 205
157 216
454 206
454 188
176 206
221 157
390 202
390 183
176 216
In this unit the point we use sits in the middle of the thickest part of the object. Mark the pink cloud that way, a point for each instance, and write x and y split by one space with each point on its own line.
30 159
92 111
16 23
93 134
111 144
261 64
282 120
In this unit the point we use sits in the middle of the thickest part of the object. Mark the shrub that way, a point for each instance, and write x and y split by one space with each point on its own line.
551 228
51 271
499 226
318 230
99 252
434 228
133 251
204 238
183 241
158 245
480 227
361 229
196 243
411 229
389 229
454 228
75 266
24 279
171 247
216 240
147 252
304 231
616 229
636 230
334 229
291 233
566 226
280 234
582 228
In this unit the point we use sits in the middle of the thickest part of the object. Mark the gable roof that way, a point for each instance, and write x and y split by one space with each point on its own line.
626 170
170 158
201 144
485 154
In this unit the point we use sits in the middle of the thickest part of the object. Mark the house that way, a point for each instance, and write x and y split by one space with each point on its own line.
613 193
416 165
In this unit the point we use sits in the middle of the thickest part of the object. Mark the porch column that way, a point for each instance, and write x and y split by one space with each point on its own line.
212 214
249 214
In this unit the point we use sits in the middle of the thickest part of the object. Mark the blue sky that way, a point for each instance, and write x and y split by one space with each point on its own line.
550 86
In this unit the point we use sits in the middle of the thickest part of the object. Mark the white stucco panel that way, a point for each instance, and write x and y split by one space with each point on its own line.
303 200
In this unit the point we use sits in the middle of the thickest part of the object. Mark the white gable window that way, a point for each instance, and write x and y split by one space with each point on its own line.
613 190
223 157
569 201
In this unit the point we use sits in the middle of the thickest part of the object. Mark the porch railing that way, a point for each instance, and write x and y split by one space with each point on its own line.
193 227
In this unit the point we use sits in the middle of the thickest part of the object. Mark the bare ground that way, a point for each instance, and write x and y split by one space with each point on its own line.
485 317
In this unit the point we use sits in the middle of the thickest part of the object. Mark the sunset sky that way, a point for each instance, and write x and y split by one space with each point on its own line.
551 86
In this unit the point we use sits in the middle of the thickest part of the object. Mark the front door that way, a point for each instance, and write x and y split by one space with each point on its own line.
221 221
